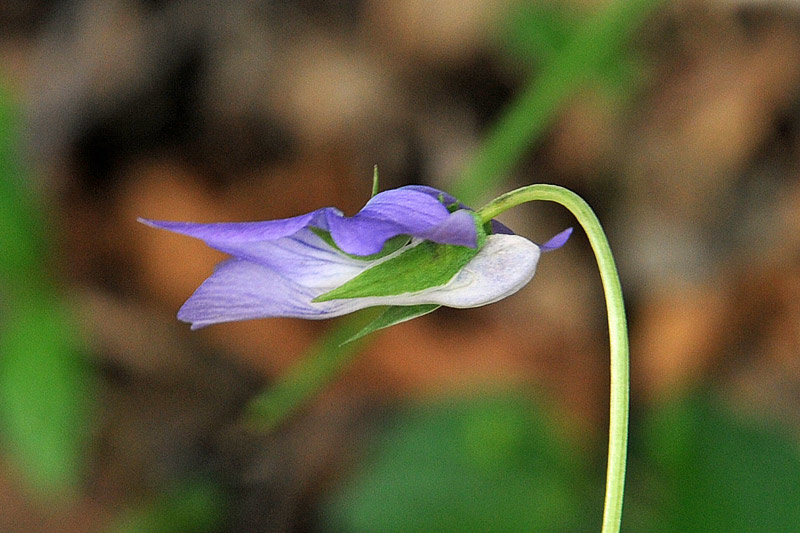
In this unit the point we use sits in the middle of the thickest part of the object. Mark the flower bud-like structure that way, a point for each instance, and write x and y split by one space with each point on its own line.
414 248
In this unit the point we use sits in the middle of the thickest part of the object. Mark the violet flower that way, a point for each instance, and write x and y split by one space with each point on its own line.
324 264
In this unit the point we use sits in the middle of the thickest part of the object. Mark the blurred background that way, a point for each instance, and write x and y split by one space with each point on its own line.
679 122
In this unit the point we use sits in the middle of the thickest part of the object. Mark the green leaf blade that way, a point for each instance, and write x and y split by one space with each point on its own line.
393 315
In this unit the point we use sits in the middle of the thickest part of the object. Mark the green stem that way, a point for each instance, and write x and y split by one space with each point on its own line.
617 329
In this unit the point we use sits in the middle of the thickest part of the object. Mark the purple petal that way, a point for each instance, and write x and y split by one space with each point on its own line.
449 199
302 255
243 290
458 228
396 205
304 258
362 235
217 234
557 241
498 228
403 211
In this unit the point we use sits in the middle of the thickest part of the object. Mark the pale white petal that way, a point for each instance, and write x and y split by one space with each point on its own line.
504 265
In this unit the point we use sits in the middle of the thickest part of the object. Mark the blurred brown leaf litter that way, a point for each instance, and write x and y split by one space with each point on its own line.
256 110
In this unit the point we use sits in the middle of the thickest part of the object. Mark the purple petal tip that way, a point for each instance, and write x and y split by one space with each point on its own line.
557 241
157 224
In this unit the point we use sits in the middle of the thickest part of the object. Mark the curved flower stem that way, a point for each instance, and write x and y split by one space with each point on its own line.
617 329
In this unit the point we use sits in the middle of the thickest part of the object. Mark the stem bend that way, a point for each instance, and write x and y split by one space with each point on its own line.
617 329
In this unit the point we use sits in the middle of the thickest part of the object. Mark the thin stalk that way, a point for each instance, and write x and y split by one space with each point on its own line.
617 331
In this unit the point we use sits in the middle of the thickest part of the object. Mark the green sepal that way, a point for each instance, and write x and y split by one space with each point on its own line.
421 267
394 314
375 186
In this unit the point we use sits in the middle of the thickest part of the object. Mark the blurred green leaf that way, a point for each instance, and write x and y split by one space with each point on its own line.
195 507
535 32
20 231
709 469
572 59
45 387
44 393
491 463
323 362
